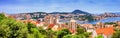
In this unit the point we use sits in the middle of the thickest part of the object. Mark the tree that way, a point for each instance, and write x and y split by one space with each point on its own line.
2 16
67 36
80 30
62 33
35 32
74 36
99 36
110 23
50 34
41 30
30 26
116 34
12 28
4 31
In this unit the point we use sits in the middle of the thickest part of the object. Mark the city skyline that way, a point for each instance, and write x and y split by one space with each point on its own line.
91 6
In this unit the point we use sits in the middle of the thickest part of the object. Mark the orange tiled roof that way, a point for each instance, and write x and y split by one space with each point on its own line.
59 28
105 31
72 30
34 22
51 25
63 25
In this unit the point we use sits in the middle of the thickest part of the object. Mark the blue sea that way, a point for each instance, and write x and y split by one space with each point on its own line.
108 19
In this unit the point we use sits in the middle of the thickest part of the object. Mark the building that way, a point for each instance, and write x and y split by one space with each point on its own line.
105 32
108 25
54 20
118 22
49 19
100 25
55 28
72 26
88 27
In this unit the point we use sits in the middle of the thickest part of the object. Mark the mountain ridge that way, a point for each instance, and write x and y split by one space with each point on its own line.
73 12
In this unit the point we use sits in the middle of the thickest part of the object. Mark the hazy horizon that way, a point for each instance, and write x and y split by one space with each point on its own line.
90 6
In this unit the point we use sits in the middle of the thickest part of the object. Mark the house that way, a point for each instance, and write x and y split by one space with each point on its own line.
55 28
50 26
105 32
88 27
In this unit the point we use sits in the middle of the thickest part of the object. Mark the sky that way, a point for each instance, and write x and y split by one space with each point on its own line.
91 6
